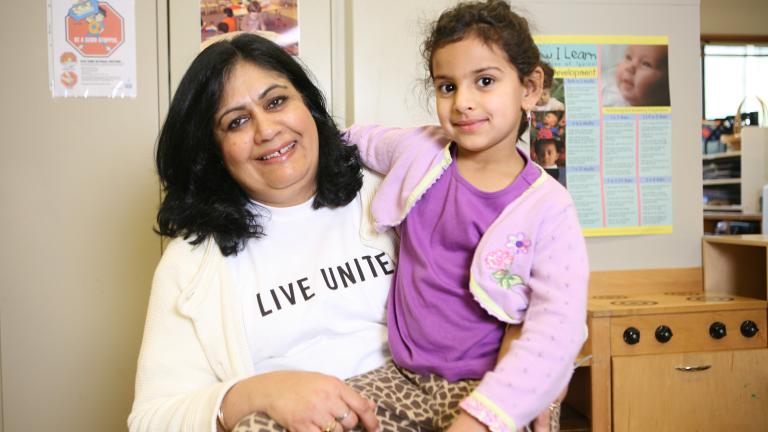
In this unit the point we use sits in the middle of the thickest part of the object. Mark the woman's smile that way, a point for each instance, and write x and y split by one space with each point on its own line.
282 154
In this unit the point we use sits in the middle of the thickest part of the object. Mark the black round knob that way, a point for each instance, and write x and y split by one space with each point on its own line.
663 334
749 328
631 335
717 330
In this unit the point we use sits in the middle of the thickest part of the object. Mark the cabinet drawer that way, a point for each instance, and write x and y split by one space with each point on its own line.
690 332
723 391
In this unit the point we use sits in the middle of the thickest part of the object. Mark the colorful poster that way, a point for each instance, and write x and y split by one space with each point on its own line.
92 48
276 20
603 128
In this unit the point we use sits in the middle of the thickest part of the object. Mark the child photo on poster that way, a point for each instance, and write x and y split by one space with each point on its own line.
548 127
276 20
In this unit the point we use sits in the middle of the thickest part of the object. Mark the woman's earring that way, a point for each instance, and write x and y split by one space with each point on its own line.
528 116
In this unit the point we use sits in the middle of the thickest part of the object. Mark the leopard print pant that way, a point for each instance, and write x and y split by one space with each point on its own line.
406 402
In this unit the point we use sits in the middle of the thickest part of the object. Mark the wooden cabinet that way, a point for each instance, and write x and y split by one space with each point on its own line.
736 264
698 391
701 373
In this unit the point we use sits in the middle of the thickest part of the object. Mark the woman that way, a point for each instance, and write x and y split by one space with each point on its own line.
274 282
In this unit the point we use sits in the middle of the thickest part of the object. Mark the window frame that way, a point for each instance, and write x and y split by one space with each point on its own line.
723 39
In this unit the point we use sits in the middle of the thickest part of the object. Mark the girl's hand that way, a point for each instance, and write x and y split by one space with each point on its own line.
300 401
466 423
541 423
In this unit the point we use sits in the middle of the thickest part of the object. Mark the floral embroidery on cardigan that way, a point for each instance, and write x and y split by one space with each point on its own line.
519 243
500 261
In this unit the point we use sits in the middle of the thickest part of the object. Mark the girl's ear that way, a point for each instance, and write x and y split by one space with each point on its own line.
534 84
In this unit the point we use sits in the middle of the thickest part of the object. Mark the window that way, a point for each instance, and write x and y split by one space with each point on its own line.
733 71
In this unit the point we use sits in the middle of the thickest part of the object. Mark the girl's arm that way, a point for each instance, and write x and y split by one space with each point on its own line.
539 364
466 423
380 147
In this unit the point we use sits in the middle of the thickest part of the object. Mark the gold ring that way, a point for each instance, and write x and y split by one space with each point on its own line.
331 426
343 417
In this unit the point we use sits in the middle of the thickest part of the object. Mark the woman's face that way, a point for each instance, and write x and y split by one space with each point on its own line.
268 138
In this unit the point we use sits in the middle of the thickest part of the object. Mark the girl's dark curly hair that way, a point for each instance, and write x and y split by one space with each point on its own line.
201 197
494 23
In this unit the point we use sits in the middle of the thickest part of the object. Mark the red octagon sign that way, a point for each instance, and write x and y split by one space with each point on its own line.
97 35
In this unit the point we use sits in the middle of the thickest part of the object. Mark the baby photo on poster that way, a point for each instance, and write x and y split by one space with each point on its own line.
635 75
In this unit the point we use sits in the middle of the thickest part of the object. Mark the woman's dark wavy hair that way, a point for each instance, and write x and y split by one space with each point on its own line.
201 197
496 25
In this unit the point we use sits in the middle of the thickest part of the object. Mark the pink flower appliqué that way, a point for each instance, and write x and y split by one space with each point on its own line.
518 243
499 259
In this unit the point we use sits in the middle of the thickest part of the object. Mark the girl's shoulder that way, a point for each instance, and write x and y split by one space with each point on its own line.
544 201
546 193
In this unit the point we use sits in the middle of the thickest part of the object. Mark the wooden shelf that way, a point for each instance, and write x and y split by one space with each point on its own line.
731 216
744 192
724 155
726 208
739 239
736 264
711 219
725 181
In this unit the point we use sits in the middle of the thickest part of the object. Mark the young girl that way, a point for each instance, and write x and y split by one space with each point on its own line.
487 239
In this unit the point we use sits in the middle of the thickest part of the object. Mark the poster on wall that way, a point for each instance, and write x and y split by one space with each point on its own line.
276 20
92 48
603 128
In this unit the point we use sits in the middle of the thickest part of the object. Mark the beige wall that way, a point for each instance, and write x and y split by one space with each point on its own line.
734 17
386 88
78 195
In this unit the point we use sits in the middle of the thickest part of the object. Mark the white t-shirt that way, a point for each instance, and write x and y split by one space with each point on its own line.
314 295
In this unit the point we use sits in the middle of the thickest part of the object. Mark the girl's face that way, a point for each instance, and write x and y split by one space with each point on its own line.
642 75
268 138
479 95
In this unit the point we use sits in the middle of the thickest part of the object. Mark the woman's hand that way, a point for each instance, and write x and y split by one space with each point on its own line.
300 401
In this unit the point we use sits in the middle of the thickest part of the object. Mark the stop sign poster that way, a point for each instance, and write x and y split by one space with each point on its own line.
92 47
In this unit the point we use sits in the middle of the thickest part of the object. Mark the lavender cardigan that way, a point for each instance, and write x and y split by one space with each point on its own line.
530 265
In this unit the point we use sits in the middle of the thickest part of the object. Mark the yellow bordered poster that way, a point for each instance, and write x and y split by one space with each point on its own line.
603 128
